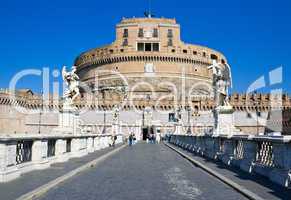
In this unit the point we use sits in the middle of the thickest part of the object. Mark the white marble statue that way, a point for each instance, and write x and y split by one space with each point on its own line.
72 81
178 114
115 113
221 82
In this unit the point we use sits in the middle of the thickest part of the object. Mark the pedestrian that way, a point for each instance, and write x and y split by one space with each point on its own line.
158 138
130 139
134 139
113 139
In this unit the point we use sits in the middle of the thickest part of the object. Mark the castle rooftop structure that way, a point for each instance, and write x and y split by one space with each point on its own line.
149 50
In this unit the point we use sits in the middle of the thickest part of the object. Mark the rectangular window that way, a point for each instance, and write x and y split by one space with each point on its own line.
170 42
156 33
125 42
140 46
156 46
140 33
172 117
148 47
125 33
170 33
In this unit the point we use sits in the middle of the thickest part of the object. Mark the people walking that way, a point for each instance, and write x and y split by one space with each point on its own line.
130 139
158 138
113 139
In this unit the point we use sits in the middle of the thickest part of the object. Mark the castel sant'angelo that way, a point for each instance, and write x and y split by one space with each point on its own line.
148 72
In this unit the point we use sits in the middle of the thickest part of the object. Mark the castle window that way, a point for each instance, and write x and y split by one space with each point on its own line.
185 51
170 42
111 50
204 54
155 33
125 33
172 117
140 46
125 42
195 53
140 33
222 61
213 57
148 47
121 50
156 46
170 33
173 50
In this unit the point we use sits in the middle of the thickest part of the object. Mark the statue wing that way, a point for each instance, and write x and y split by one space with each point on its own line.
64 73
227 74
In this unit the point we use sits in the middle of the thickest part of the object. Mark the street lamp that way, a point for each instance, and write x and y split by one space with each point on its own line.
256 103
40 113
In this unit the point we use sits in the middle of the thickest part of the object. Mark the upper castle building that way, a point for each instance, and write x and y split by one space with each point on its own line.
149 53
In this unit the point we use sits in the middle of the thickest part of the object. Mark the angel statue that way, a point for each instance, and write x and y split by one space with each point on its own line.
221 82
178 114
72 81
115 113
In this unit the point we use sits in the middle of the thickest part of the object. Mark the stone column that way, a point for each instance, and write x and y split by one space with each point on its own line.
282 162
8 168
228 153
90 144
97 143
210 147
39 154
75 147
249 158
61 155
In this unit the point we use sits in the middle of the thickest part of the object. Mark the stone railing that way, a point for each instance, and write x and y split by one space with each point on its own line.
266 156
23 153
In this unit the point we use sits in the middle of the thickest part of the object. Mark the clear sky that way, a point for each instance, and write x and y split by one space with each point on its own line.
254 35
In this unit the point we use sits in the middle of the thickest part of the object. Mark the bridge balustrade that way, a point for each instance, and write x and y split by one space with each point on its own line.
22 153
267 156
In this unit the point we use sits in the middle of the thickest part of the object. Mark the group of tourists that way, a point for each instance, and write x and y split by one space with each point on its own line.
151 139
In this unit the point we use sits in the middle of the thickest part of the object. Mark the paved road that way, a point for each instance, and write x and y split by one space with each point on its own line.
144 172
257 184
32 180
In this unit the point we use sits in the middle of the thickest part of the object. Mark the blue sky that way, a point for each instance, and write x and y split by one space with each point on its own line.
254 35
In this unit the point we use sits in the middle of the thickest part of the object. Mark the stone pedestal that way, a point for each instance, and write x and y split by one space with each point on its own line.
39 154
224 121
8 169
115 129
68 120
178 130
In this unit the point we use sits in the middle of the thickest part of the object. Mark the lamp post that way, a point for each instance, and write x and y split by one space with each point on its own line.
256 103
40 113
104 112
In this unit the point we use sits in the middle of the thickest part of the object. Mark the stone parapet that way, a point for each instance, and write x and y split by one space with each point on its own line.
266 156
23 153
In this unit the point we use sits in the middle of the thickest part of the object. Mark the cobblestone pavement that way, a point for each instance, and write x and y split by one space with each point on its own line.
144 172
255 183
34 179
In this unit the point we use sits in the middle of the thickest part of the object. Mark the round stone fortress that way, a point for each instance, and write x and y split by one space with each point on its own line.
148 55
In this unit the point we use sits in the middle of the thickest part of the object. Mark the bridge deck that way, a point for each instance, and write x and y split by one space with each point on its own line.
144 171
